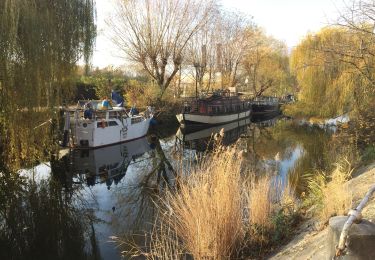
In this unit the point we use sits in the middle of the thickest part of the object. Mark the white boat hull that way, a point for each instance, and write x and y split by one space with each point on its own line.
91 133
186 119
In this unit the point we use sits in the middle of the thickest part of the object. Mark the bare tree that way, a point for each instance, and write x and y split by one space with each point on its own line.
155 33
201 55
234 34
358 17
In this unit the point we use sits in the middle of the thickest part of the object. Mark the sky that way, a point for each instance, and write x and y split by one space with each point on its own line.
285 20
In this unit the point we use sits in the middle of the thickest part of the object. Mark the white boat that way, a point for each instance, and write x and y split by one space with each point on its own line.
214 109
93 127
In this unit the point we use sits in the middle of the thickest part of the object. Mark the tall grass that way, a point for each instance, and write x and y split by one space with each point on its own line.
330 192
260 202
208 207
272 212
218 212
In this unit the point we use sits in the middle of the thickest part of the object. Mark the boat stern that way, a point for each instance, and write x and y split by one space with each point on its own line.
84 133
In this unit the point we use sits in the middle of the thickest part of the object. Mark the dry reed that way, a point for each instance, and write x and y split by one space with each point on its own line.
208 207
331 192
259 202
206 216
337 198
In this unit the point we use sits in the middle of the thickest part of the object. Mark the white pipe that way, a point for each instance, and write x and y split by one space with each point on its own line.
354 215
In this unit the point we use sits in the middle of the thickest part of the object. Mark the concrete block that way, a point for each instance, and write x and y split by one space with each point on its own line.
360 242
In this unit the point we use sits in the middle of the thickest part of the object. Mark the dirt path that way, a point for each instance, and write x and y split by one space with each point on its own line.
311 243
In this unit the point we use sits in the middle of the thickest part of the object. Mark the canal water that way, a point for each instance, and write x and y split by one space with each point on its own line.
76 206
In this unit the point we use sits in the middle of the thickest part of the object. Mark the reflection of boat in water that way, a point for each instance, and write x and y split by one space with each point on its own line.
265 120
201 140
108 164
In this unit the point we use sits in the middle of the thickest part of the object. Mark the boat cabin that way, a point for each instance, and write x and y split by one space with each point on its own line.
216 103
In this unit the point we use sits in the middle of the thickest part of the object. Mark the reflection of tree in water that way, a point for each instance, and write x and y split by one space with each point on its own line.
38 54
272 144
37 221
262 146
315 157
136 204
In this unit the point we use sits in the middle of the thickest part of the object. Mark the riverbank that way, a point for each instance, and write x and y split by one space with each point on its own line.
310 241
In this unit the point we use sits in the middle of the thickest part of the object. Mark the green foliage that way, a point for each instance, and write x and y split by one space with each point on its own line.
105 80
334 70
136 89
284 221
328 191
326 82
39 45
141 93
315 190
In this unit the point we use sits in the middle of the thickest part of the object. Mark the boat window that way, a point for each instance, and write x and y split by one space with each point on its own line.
112 123
136 120
102 124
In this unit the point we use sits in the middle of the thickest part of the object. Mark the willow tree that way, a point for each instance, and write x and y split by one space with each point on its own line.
40 43
358 17
155 33
326 79
266 66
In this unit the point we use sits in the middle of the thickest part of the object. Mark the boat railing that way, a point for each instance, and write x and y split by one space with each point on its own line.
262 100
96 115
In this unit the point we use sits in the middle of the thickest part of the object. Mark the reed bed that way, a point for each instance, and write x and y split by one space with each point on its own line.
260 202
208 207
217 212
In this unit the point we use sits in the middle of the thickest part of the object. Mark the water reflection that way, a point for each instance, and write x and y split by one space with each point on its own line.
120 183
287 150
273 145
108 164
68 208
202 139
38 222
